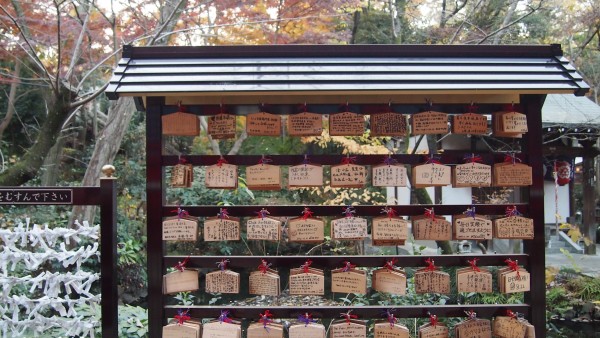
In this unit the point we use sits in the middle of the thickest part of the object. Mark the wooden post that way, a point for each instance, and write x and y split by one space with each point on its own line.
108 247
589 196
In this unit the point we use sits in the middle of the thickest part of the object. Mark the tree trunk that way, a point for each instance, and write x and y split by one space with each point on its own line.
105 150
12 94
27 168
51 165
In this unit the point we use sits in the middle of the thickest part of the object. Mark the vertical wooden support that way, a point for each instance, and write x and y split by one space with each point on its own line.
108 251
589 196
532 107
154 195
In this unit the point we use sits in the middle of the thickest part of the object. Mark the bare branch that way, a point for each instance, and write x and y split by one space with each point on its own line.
165 24
31 52
77 50
455 35
58 46
517 20
238 143
89 98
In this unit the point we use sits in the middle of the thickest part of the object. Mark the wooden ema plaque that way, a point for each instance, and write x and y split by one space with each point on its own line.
180 124
469 124
512 175
389 281
433 331
386 330
388 124
263 177
508 327
348 176
510 281
182 176
432 281
346 124
392 175
185 330
349 228
479 328
389 230
221 126
264 283
307 283
305 175
181 281
305 124
472 228
218 329
351 329
470 280
263 124
471 175
309 230
438 229
509 124
311 330
223 281
180 229
263 228
429 122
351 281
221 176
258 330
221 229
431 175
513 227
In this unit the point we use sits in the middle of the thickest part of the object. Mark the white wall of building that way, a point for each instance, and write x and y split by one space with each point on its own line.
550 209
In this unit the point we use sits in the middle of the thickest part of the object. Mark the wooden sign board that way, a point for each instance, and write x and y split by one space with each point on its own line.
513 227
469 124
225 229
263 177
507 327
266 229
186 330
182 176
258 330
264 283
346 124
472 175
348 176
514 122
351 281
429 122
305 124
389 231
510 281
223 281
263 124
389 281
181 281
512 175
438 229
349 228
433 331
311 283
180 229
393 175
352 329
221 330
221 126
432 282
469 280
388 124
470 328
312 330
472 228
180 124
223 176
431 175
310 230
385 330
305 175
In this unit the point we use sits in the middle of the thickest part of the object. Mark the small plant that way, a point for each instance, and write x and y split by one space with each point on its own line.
133 321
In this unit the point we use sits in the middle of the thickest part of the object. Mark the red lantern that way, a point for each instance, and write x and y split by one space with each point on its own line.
563 172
